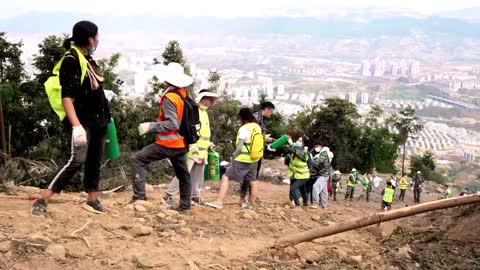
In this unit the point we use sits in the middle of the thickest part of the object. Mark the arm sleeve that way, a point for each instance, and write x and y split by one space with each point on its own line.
239 148
170 121
70 73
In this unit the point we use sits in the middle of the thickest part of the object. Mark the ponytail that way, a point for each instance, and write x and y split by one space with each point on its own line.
67 44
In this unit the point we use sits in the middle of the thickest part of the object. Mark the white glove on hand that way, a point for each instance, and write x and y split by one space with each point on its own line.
143 128
270 148
268 139
290 141
211 146
79 136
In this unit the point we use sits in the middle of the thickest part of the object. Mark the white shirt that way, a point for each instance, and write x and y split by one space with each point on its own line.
244 133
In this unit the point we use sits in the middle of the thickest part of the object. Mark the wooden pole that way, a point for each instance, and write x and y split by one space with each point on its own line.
2 129
9 142
375 219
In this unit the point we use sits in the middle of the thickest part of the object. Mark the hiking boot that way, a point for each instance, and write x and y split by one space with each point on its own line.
197 200
96 205
247 206
215 204
167 200
183 211
39 208
242 201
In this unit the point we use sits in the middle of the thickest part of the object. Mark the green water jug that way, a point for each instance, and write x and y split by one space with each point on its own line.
281 142
112 151
213 166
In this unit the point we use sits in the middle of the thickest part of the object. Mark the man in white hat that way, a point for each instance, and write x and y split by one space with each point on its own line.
418 180
336 179
197 157
169 143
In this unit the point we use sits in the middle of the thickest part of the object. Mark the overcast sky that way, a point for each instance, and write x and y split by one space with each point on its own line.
224 8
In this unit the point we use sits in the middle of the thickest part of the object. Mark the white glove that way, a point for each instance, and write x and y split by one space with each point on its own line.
143 128
268 139
194 149
270 148
79 136
211 146
290 141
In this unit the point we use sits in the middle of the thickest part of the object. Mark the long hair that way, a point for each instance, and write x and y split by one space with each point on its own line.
81 32
246 116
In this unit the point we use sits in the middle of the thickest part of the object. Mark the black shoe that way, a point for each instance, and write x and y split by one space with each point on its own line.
198 200
96 205
39 208
183 211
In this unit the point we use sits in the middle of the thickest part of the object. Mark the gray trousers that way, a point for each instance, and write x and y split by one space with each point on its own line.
320 191
197 178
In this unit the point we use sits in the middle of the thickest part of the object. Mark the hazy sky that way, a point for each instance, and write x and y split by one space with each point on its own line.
225 8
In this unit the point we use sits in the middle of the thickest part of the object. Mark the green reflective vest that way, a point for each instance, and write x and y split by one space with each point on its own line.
403 183
245 154
352 180
53 86
204 141
298 169
388 195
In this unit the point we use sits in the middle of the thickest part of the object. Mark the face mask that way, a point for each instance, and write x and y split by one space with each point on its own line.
297 144
91 50
317 149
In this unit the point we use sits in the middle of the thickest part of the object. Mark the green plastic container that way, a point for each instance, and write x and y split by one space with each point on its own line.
112 151
213 166
281 142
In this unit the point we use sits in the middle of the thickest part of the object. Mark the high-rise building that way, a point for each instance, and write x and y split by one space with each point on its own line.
379 69
352 97
366 68
364 98
414 69
281 89
394 69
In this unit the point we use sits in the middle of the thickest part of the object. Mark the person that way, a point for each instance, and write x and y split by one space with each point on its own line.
317 147
87 115
197 156
169 143
393 180
403 185
367 185
387 196
298 171
322 168
417 188
352 181
448 192
465 192
336 180
266 111
243 168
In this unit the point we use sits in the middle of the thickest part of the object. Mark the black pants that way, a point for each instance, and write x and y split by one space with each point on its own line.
299 185
386 205
349 193
309 187
367 192
90 155
155 152
333 187
245 187
402 194
417 192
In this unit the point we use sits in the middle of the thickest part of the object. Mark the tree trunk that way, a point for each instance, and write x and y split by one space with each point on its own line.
375 219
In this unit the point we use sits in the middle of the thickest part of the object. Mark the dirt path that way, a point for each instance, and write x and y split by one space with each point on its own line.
208 239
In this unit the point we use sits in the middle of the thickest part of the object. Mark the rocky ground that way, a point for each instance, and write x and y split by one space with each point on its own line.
148 235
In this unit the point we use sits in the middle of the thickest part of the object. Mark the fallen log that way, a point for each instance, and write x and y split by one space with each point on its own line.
375 219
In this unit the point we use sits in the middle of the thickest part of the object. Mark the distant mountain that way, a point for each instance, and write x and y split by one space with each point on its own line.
53 23
469 14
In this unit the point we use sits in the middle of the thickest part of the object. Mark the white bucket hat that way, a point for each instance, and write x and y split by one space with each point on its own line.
205 93
337 172
354 170
174 74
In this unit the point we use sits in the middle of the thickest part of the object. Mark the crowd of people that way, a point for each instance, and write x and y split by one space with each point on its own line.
186 143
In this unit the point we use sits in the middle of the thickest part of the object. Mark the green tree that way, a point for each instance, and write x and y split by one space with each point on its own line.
11 67
107 67
50 51
214 80
224 123
407 125
426 164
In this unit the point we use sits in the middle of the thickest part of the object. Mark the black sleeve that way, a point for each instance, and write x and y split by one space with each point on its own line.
70 73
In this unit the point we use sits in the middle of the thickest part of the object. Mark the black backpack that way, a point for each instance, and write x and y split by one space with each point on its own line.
190 124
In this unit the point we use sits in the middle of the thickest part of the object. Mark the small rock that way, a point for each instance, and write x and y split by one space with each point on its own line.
310 256
171 213
316 218
294 220
417 265
404 252
147 261
146 204
186 231
83 194
139 230
354 260
291 251
39 238
222 252
342 255
56 251
5 246
249 214
140 208
161 215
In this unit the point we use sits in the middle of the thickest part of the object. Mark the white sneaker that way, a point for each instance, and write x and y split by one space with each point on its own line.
215 204
314 206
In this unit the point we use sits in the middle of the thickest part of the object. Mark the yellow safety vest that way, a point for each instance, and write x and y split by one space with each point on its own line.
403 183
298 169
388 196
350 183
245 154
204 141
448 193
